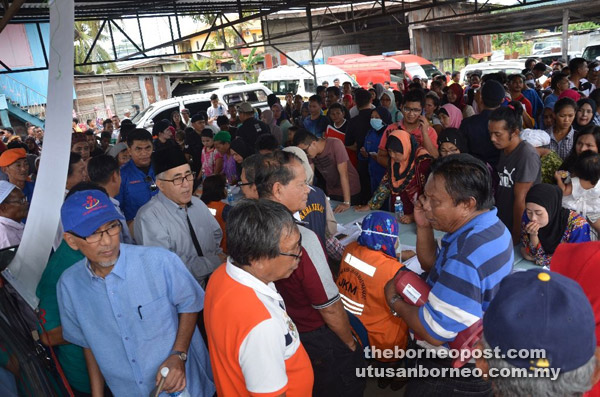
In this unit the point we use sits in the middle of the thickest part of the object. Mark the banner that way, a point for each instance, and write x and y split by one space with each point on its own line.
26 269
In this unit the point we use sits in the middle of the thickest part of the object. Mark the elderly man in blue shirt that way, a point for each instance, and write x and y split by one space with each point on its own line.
464 273
133 309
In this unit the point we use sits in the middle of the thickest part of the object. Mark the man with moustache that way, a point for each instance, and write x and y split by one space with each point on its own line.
133 309
178 221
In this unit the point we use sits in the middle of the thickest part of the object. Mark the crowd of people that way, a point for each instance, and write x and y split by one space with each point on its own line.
154 264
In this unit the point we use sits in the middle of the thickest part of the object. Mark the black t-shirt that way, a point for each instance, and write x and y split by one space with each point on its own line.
475 129
158 145
193 146
358 127
250 130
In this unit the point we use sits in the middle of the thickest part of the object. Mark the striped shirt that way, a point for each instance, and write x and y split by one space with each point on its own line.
562 148
467 273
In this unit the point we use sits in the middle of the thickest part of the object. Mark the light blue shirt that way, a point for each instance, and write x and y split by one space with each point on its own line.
129 319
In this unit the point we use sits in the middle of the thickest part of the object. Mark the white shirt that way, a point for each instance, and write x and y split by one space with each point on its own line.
216 112
11 232
584 201
280 330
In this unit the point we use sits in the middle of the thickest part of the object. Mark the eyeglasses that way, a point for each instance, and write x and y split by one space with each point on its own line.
148 179
179 180
93 238
240 184
21 201
295 256
411 110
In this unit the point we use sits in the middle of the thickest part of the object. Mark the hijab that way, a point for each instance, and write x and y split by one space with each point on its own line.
283 116
550 197
379 90
455 137
401 173
239 146
460 96
380 233
454 113
384 114
580 103
267 116
301 154
392 109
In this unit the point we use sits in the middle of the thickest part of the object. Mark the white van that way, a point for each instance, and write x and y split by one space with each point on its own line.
255 93
509 67
284 79
592 51
210 87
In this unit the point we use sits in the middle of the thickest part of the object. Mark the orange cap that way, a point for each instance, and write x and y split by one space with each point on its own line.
9 156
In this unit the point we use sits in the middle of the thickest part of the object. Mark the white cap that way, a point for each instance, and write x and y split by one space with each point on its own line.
5 188
116 149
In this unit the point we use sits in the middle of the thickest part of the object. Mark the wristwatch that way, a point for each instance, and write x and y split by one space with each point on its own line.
394 299
182 355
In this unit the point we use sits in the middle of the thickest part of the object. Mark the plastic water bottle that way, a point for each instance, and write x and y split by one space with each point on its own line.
229 195
398 208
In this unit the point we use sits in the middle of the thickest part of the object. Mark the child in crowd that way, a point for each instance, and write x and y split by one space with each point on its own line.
208 153
583 193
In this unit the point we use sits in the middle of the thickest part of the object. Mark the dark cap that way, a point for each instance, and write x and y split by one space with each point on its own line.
492 93
199 116
160 126
167 158
538 309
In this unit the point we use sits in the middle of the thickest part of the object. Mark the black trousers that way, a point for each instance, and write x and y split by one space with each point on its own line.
445 386
334 364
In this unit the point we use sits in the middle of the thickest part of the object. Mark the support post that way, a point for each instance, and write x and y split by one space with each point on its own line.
25 270
310 38
565 34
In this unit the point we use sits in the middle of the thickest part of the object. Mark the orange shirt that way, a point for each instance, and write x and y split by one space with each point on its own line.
254 346
216 208
362 277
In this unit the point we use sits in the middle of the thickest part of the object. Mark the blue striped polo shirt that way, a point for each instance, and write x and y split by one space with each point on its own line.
469 267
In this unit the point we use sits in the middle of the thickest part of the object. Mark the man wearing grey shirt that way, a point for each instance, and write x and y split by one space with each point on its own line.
178 221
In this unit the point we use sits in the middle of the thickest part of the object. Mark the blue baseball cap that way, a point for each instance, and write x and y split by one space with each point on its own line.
538 309
84 212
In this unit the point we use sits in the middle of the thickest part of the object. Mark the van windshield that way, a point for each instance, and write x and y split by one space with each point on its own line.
282 87
141 114
591 53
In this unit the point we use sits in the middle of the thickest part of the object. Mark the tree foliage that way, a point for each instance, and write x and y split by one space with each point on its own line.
85 33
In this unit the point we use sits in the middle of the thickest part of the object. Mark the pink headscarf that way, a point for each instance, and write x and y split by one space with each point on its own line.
454 113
